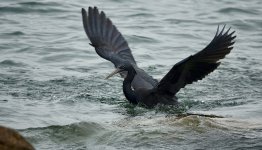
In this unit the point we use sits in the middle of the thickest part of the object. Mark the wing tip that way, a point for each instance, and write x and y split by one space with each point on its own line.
84 20
90 8
226 33
84 13
83 10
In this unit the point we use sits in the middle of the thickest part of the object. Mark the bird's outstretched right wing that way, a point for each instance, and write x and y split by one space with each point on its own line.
196 67
105 38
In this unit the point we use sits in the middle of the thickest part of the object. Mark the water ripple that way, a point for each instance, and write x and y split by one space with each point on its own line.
15 33
233 10
32 7
52 82
10 63
41 4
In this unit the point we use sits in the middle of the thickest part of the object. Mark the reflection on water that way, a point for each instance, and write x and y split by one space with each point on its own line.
52 86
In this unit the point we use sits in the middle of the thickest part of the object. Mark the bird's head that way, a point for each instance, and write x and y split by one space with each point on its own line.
126 66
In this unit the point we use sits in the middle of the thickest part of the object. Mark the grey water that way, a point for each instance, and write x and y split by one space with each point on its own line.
53 91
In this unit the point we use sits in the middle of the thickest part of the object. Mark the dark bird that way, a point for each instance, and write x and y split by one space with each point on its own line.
138 86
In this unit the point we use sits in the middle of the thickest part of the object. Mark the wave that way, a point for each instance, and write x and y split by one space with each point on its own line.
64 132
29 7
10 63
230 10
38 4
16 33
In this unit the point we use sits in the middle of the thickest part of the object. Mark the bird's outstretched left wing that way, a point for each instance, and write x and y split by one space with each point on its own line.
105 37
111 45
196 67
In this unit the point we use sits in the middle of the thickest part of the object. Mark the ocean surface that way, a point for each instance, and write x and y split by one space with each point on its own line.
53 88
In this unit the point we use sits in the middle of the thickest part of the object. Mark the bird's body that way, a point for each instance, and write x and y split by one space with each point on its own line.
138 86
147 97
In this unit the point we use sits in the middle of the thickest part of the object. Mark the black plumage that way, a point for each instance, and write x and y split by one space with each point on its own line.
138 86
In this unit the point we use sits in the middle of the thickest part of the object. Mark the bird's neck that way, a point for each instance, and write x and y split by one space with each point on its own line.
127 89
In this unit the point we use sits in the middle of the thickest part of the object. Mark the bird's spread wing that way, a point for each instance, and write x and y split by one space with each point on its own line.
111 45
196 67
105 38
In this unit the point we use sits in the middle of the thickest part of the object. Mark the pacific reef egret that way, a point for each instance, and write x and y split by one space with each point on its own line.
138 86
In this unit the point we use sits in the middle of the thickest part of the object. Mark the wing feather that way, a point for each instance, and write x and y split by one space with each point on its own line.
197 66
105 37
111 45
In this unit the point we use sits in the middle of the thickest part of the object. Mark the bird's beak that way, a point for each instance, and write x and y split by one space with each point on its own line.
114 72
